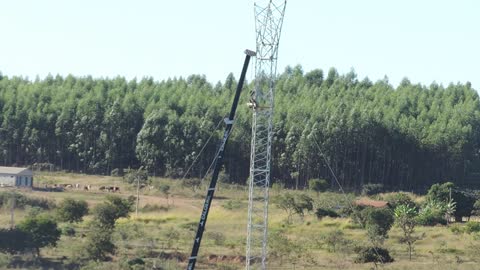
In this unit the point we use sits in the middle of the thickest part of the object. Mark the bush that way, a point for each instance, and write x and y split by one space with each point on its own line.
397 199
465 204
472 227
476 208
318 185
22 201
321 213
68 230
70 210
218 237
335 240
378 222
456 229
15 241
373 254
136 261
43 230
372 189
431 214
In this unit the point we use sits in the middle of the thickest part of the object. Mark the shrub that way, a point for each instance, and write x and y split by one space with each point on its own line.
378 222
14 240
68 230
218 237
43 230
373 254
22 201
472 227
431 214
136 261
456 229
99 242
440 192
335 240
465 205
70 210
372 189
321 213
400 198
476 208
318 185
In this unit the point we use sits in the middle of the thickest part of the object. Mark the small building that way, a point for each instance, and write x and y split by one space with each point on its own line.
15 177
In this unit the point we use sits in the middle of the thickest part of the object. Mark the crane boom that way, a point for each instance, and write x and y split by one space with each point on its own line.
218 164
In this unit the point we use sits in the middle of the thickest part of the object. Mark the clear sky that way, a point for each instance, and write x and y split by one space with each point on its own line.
424 40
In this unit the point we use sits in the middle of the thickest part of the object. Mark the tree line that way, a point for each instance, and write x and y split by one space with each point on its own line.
366 132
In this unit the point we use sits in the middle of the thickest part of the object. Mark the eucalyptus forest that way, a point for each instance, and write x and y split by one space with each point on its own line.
404 137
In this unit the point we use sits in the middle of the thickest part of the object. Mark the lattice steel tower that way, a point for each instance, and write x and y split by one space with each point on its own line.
268 25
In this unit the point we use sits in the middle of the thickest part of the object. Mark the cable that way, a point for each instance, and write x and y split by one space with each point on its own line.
201 151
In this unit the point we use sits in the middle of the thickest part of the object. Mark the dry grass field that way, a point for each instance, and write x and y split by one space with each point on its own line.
162 233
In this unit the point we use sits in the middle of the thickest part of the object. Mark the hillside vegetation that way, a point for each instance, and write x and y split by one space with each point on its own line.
161 235
370 132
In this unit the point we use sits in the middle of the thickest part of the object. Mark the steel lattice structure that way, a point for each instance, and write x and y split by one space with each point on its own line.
268 24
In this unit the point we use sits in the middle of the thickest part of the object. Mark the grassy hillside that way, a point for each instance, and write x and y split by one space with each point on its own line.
162 232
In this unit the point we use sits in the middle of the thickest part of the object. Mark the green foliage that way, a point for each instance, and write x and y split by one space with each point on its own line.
401 198
318 185
294 204
15 241
321 213
405 219
172 236
68 230
431 214
472 227
335 240
71 210
465 204
112 209
476 208
440 192
378 222
233 204
373 254
372 189
99 243
218 237
43 231
22 201
193 183
369 131
137 176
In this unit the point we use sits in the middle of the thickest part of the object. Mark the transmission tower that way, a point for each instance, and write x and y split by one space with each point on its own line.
268 25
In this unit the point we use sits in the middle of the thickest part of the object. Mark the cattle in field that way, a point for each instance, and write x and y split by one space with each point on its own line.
109 188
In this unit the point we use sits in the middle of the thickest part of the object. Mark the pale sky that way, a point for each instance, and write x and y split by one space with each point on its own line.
423 40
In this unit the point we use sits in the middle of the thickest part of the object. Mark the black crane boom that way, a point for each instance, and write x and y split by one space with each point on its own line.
218 164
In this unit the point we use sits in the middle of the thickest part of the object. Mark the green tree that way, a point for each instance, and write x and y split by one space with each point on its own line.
378 222
43 231
112 209
99 243
405 219
71 210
